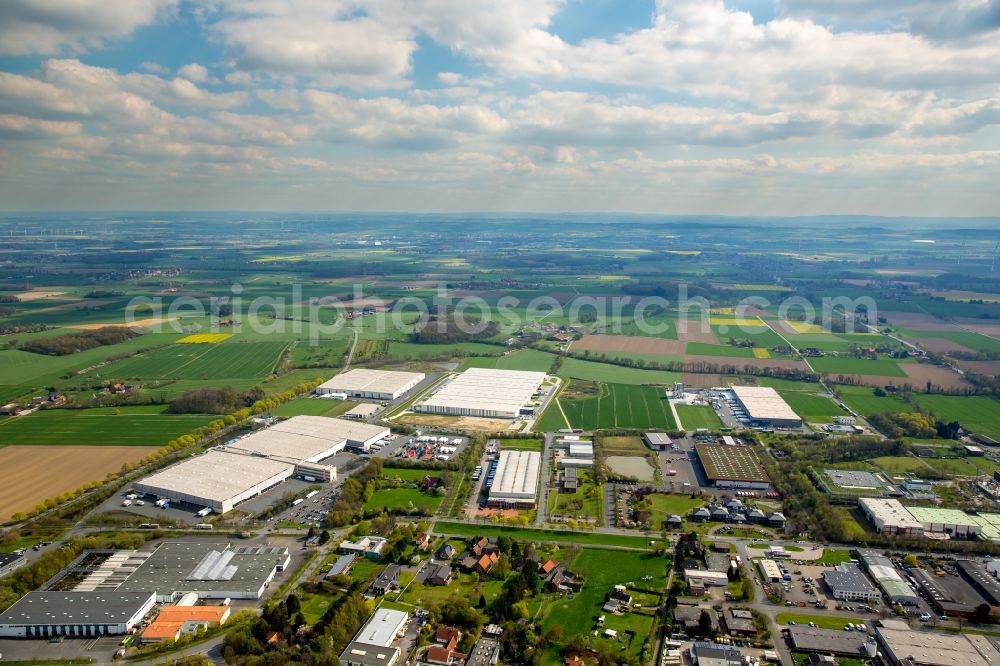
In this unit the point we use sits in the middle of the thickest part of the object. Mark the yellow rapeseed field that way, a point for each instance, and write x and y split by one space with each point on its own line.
204 338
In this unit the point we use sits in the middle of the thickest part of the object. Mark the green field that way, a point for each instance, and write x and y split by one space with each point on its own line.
813 407
618 374
835 556
977 413
694 417
822 621
543 536
900 465
705 349
666 505
863 400
312 407
586 503
968 339
407 473
833 365
405 500
522 359
521 444
412 350
617 406
602 570
121 426
219 361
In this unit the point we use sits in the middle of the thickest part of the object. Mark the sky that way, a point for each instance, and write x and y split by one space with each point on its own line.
736 107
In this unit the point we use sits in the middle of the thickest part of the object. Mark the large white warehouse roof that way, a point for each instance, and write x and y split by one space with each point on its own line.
216 477
309 438
485 390
763 403
364 380
516 476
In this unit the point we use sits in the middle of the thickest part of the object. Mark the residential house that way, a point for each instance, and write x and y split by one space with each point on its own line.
487 562
445 552
444 651
423 540
387 581
562 580
546 567
440 574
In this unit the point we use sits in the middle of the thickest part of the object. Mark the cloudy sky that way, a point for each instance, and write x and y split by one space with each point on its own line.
769 107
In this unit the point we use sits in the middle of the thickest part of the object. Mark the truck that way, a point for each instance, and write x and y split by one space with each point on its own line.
204 512
163 503
297 502
311 494
203 526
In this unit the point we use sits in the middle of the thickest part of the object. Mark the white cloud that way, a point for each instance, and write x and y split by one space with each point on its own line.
50 26
194 72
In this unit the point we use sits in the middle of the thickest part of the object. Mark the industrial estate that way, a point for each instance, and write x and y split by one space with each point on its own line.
563 486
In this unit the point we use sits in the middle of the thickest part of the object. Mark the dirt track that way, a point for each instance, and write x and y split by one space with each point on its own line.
31 474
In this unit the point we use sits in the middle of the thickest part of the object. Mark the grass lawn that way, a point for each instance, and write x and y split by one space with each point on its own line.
843 365
835 556
822 621
623 445
606 372
813 407
863 400
313 407
954 466
521 444
602 570
586 503
698 416
407 500
313 607
899 465
364 569
554 536
521 359
407 473
977 413
665 505
121 426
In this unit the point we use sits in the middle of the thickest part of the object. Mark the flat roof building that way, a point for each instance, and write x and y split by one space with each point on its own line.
216 479
804 638
515 482
946 521
890 517
310 438
920 648
764 406
657 440
484 392
373 645
361 411
732 467
42 614
848 583
884 573
770 569
372 384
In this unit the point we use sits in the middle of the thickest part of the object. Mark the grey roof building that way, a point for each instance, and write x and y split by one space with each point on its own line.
848 583
804 638
42 614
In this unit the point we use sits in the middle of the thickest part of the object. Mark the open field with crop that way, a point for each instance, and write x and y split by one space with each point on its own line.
628 343
698 416
231 359
204 338
412 350
967 339
703 349
606 372
313 407
31 474
521 444
862 400
522 359
979 414
616 406
812 407
844 365
122 426
622 445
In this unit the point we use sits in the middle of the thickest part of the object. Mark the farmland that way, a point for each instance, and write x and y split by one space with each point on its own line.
834 365
812 407
523 359
606 372
617 406
313 407
211 361
863 400
120 426
978 413
31 474
404 500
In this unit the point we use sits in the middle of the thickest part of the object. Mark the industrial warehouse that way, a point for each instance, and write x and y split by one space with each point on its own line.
515 484
223 477
485 392
371 384
764 407
110 592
